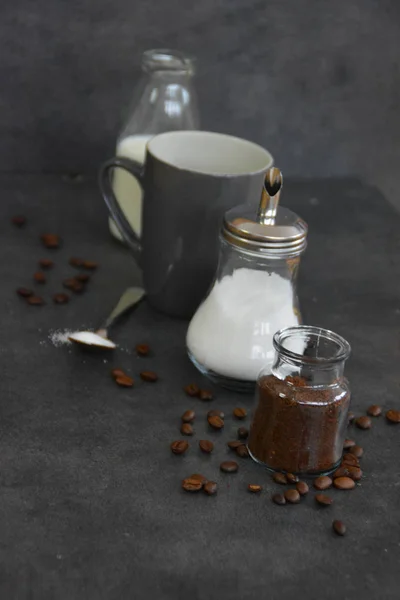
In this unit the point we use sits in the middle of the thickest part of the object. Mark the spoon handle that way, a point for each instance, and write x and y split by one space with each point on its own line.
128 300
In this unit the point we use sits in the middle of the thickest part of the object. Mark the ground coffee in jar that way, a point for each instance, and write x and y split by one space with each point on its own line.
302 403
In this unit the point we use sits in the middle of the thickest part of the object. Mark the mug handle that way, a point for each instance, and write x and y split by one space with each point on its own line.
136 170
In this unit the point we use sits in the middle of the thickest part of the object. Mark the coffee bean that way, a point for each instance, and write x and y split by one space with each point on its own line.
239 413
351 417
60 298
179 447
374 410
348 444
118 373
72 284
279 499
357 451
243 433
280 478
242 451
192 390
46 263
18 220
149 376
216 413
90 264
24 292
350 459
393 416
142 349
254 488
323 499
355 473
187 429
339 527
76 262
323 483
206 446
302 488
292 478
35 300
39 277
292 496
124 381
344 483
191 485
229 466
235 444
343 471
82 277
363 422
210 488
216 422
50 240
205 395
188 416
199 477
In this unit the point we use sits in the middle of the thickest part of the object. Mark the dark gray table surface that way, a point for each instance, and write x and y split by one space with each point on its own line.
91 505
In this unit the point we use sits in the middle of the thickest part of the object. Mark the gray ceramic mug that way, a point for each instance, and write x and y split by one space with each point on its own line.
189 180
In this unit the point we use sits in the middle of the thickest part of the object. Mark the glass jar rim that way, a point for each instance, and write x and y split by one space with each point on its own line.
164 59
342 353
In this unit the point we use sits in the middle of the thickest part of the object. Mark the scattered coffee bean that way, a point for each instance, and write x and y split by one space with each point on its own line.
187 429
39 277
242 451
142 349
192 390
243 433
350 459
216 422
254 488
50 240
60 298
292 478
339 527
24 292
206 446
149 376
351 417
46 263
76 262
302 488
323 499
357 451
89 264
374 410
191 485
210 488
355 473
343 471
393 416
235 444
179 447
216 413
363 422
35 300
279 499
344 483
280 478
229 466
348 444
292 496
18 220
205 395
199 477
73 285
239 412
118 373
188 416
323 483
124 381
82 277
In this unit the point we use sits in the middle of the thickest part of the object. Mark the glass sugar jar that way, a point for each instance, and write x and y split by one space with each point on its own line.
302 401
230 337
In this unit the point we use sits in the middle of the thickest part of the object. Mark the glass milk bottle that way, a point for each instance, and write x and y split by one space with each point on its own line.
165 101
230 337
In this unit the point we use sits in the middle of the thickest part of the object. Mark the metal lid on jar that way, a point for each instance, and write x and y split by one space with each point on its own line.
272 229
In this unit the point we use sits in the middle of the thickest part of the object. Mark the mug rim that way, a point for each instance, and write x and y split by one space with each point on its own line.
269 159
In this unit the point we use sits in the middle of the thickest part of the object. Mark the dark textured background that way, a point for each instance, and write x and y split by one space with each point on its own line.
315 81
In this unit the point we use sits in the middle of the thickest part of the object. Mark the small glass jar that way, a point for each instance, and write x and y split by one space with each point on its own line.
302 402
254 294
165 100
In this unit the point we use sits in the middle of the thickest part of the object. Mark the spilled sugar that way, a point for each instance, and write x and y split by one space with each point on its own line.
59 337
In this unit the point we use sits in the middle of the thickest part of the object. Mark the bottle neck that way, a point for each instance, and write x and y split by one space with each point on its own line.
303 374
